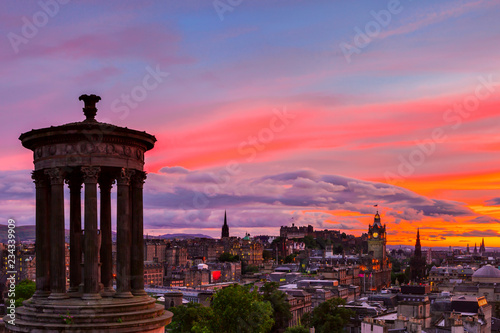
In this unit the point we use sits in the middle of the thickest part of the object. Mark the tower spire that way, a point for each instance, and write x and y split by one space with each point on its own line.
418 247
376 219
225 227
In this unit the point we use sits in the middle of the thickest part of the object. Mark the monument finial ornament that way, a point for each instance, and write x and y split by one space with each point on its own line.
89 110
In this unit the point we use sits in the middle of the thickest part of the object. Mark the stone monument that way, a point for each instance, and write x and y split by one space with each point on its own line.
92 154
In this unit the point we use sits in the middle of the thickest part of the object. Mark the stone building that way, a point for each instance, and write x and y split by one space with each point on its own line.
153 273
296 232
376 266
300 304
176 256
155 248
377 239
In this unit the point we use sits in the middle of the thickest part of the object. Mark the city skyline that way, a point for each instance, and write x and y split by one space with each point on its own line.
277 113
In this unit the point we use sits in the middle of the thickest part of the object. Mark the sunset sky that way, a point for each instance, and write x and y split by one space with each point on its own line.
280 112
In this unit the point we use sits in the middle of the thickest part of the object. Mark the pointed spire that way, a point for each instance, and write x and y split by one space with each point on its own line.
225 227
418 247
482 249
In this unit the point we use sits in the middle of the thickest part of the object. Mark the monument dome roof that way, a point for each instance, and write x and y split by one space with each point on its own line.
487 271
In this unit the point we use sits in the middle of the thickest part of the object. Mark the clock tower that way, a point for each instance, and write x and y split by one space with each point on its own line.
377 239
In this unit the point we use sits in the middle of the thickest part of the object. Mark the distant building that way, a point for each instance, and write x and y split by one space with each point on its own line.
154 248
376 267
153 273
300 304
296 232
377 239
428 256
176 256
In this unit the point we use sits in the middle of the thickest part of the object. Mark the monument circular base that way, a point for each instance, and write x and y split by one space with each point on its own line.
128 315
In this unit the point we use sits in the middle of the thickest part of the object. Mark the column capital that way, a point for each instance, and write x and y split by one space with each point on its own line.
39 179
138 179
106 182
125 175
56 176
74 181
90 173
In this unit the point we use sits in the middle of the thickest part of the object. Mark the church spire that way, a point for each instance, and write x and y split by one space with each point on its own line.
418 247
225 228
482 249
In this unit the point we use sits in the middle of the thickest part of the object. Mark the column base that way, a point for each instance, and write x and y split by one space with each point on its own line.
58 296
73 289
139 292
108 292
91 296
124 294
76 294
41 293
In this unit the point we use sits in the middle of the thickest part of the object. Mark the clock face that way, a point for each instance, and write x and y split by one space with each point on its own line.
375 234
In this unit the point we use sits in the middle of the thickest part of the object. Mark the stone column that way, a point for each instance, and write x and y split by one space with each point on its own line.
105 184
123 241
75 232
137 263
91 265
57 244
42 244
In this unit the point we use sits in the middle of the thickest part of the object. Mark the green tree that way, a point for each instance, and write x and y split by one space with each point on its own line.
310 242
192 317
329 316
237 309
290 258
396 265
402 278
321 243
24 290
281 307
245 268
228 257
